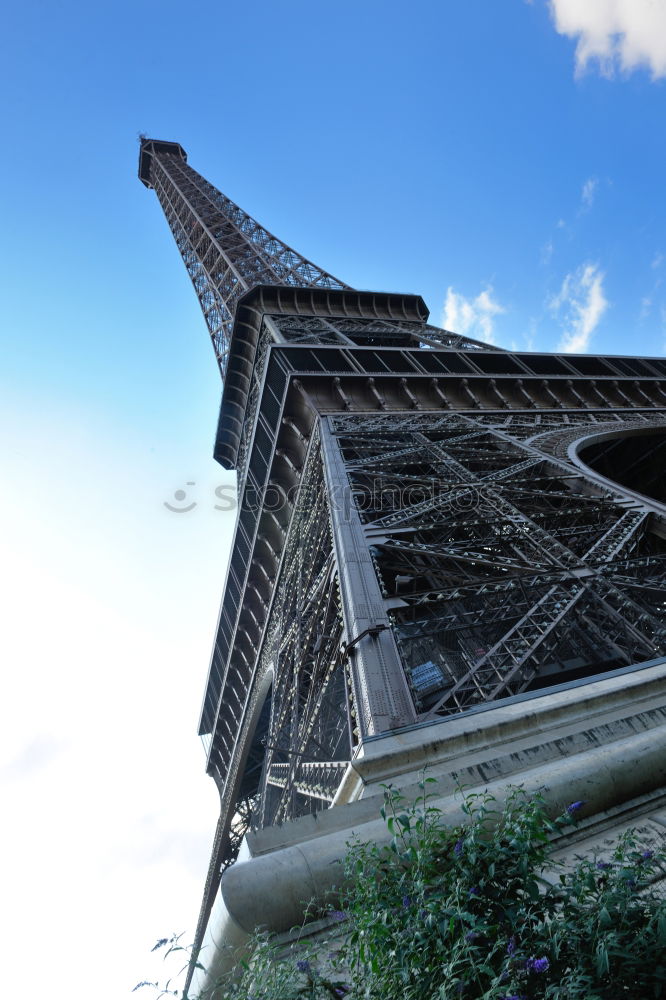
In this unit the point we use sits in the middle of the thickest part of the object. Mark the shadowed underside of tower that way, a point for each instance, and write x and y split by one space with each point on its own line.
426 525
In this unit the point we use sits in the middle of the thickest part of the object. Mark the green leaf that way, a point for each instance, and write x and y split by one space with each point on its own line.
601 960
661 928
533 890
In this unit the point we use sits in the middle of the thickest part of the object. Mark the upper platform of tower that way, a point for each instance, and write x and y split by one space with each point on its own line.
151 147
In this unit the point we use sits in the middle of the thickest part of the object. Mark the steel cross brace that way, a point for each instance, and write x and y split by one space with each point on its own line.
510 654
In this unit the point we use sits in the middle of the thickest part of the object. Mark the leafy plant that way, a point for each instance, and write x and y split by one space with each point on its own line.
480 911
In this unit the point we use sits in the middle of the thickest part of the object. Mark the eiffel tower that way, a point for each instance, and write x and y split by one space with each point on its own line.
426 524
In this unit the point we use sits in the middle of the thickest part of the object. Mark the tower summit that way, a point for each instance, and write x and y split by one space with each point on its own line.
442 550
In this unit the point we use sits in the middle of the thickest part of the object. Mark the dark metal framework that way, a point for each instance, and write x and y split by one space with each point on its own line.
226 252
425 523
504 566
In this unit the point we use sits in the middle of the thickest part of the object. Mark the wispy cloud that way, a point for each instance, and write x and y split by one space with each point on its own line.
588 193
579 305
657 261
547 252
38 753
472 317
646 306
624 34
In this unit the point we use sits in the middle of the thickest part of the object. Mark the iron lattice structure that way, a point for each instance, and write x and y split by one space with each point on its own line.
425 524
224 250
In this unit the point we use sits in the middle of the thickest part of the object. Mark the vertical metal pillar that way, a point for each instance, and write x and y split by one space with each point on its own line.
381 692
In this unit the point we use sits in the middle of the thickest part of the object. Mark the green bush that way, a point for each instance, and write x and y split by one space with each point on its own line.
478 912
482 910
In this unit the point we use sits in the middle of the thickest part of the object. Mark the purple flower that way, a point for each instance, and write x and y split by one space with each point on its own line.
511 947
406 902
646 855
537 964
302 965
338 915
471 935
575 806
603 866
458 849
341 991
474 891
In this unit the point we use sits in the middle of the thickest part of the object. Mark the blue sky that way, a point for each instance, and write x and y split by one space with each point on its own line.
502 158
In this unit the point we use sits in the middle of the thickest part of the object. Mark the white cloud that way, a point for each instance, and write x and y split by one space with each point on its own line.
547 252
588 192
472 317
624 34
580 304
657 260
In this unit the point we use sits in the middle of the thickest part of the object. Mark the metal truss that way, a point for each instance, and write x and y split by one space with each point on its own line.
226 252
294 731
502 567
253 401
371 333
312 331
309 737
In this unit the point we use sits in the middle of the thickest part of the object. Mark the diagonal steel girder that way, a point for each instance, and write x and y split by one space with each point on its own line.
509 656
226 251
533 630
